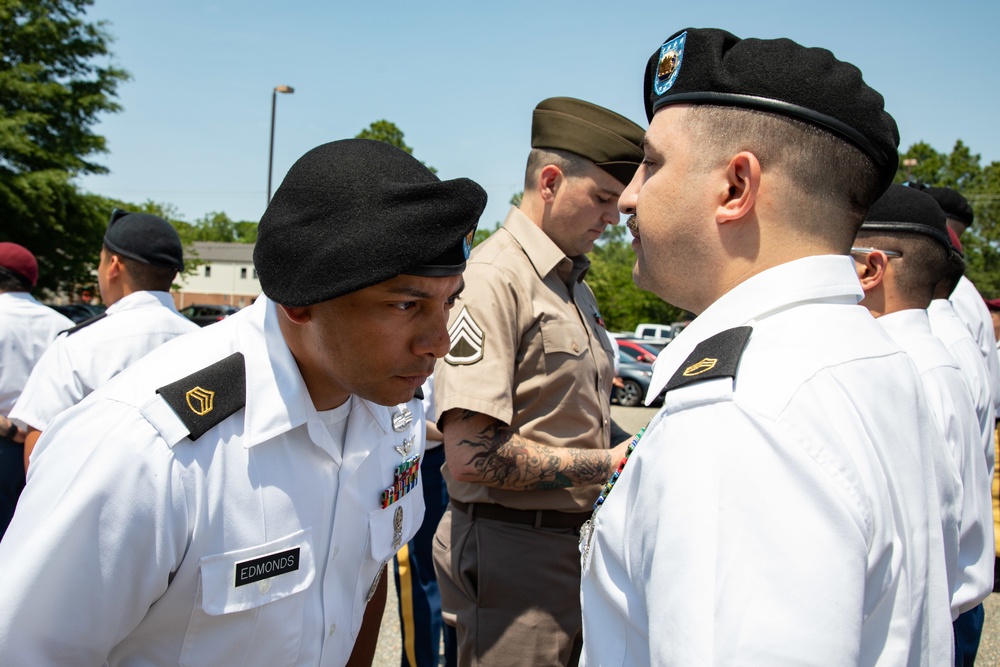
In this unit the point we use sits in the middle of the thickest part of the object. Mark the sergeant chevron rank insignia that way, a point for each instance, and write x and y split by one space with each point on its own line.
206 398
467 341
718 356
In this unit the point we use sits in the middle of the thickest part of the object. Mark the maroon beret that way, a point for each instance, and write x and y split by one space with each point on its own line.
18 260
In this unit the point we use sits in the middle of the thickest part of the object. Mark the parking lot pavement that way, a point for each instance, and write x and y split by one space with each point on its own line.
632 419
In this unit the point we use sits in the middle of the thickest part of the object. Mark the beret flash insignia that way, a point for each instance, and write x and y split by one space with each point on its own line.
466 341
671 55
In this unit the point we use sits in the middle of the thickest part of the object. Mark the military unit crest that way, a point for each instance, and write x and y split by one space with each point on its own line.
669 65
467 340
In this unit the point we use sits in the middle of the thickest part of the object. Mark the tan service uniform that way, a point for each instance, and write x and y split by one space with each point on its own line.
528 348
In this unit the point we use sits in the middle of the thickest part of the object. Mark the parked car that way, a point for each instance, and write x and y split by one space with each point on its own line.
635 376
638 351
79 312
204 314
648 330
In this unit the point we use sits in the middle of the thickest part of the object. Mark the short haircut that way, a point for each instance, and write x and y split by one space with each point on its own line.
12 282
921 267
146 276
836 175
570 164
953 272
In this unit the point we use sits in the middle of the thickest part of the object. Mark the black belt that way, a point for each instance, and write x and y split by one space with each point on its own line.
534 518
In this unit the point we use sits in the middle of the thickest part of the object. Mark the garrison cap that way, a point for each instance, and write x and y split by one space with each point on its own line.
711 66
954 205
20 261
905 210
354 213
609 140
146 238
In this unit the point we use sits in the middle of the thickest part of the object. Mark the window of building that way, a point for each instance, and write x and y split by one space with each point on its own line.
255 274
243 273
208 271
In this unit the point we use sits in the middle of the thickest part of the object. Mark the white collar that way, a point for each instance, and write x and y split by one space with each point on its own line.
827 278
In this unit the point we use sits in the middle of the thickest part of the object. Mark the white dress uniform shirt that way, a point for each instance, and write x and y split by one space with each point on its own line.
130 538
26 330
80 361
948 326
787 516
972 310
970 558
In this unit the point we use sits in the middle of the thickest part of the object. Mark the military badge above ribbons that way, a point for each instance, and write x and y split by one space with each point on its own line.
671 55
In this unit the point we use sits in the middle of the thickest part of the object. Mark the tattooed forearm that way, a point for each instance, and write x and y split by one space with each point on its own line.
504 459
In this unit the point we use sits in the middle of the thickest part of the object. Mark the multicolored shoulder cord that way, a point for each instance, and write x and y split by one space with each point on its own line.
621 466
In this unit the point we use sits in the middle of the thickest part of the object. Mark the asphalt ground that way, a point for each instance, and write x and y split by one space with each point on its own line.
388 651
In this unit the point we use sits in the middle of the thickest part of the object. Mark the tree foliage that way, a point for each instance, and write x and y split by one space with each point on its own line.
53 88
623 305
961 170
388 132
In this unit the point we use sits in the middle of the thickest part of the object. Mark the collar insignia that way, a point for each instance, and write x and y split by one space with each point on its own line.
671 55
467 341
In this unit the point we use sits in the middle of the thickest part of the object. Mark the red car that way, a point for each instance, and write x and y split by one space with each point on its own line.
636 350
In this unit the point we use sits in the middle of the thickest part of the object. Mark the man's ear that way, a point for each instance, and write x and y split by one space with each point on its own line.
296 314
549 180
871 269
115 267
738 194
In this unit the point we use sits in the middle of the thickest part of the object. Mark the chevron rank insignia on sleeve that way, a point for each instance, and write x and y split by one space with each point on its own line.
715 357
204 399
467 340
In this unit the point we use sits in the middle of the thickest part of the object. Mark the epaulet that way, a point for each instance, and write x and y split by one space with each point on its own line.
205 398
85 323
714 357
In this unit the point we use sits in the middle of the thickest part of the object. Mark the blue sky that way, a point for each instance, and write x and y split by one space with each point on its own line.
461 78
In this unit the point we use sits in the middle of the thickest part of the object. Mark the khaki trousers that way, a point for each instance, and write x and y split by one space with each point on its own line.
511 591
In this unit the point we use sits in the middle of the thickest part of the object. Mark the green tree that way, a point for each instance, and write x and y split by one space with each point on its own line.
622 304
961 170
53 88
388 132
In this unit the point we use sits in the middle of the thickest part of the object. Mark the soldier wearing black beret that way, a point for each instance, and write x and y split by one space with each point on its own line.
235 495
753 520
524 397
140 257
902 253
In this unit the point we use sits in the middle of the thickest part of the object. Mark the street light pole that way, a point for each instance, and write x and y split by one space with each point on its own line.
270 154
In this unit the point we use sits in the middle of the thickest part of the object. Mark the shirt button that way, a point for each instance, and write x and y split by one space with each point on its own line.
336 550
333 628
576 347
264 585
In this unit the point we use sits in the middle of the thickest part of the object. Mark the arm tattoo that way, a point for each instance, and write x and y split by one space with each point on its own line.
505 459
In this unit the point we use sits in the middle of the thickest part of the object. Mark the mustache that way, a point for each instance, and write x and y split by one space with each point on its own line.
633 225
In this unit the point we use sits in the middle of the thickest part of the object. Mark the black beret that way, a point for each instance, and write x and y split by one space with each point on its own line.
609 140
353 213
711 66
954 205
146 238
904 210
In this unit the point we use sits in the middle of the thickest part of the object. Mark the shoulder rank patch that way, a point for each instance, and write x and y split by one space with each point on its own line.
206 398
467 341
85 323
714 357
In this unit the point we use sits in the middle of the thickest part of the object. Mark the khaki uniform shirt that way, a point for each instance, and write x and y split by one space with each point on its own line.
528 347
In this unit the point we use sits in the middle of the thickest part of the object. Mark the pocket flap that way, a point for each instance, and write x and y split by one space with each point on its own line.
248 578
563 336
